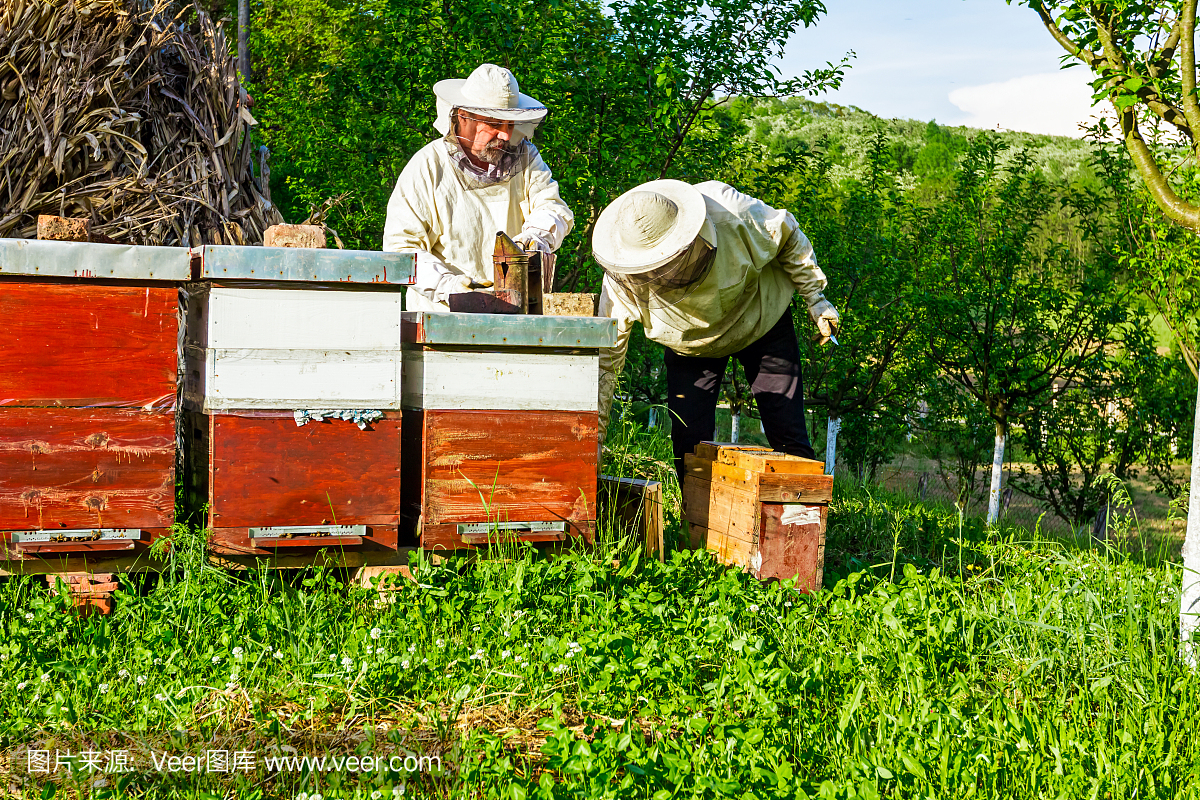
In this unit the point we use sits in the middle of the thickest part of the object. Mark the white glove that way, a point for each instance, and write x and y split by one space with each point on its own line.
532 240
436 281
825 316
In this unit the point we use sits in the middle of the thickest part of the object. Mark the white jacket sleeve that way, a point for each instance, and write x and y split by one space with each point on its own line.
797 259
612 359
546 215
407 228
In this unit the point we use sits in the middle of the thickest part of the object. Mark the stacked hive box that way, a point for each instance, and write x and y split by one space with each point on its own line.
759 510
293 398
88 368
501 426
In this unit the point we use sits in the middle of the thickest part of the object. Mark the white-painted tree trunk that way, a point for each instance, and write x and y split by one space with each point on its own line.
831 433
652 422
993 513
1189 607
734 420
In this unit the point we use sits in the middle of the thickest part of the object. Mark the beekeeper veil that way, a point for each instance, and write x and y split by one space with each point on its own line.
648 241
490 94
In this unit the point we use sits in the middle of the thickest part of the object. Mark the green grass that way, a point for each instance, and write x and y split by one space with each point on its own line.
940 660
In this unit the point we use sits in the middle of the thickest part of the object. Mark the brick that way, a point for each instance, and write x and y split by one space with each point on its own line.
311 236
63 229
569 304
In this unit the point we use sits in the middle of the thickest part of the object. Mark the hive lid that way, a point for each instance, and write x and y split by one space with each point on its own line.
506 330
55 259
303 264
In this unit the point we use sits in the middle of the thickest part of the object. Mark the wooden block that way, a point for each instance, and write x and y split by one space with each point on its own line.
310 236
507 466
569 304
81 468
758 461
63 229
75 345
265 471
638 504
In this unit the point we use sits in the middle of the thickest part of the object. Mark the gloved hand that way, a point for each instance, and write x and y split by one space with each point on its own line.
532 240
436 281
825 316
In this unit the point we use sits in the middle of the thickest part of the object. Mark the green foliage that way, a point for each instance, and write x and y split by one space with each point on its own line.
934 647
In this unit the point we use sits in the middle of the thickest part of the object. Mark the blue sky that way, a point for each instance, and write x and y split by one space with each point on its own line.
962 62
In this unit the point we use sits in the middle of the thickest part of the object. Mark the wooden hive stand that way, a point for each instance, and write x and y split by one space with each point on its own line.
759 510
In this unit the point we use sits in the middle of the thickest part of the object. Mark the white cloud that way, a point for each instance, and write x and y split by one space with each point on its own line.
1052 102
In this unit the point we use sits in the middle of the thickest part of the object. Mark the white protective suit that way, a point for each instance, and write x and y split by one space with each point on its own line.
761 258
453 225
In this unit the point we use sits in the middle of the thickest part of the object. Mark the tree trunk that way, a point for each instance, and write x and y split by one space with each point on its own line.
831 433
993 513
1189 608
734 419
243 33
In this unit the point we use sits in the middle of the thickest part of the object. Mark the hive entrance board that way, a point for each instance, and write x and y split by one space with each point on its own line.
81 540
759 510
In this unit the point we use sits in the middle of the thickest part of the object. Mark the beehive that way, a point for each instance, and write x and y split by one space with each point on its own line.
293 397
88 379
762 511
500 426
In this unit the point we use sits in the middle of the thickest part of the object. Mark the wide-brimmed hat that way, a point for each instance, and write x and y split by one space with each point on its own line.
490 91
648 226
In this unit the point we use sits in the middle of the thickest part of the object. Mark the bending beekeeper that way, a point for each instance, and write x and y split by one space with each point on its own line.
710 273
483 176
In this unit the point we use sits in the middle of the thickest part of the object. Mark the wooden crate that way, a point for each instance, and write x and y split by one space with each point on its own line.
759 510
278 331
89 338
501 426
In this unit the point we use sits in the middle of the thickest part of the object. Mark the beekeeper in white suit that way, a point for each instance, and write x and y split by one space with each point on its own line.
710 273
483 176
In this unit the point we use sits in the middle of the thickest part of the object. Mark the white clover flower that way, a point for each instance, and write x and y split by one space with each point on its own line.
103 688
36 697
216 659
375 633
122 673
475 628
237 652
520 612
232 683
788 604
141 680
477 655
302 796
347 662
3 656
279 654
404 664
375 795
23 684
752 607
412 648
29 617
424 660
157 661
368 651
441 643
314 797
161 697
558 669
505 653
333 657
45 677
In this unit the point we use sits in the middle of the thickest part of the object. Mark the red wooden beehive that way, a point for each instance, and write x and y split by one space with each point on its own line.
88 376
276 336
501 427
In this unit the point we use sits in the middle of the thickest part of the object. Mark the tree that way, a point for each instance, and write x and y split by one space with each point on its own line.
1011 313
1143 57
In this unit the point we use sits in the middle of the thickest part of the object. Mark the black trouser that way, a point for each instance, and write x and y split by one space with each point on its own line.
772 366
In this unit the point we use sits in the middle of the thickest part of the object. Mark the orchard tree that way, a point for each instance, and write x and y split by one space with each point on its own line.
1011 313
1142 54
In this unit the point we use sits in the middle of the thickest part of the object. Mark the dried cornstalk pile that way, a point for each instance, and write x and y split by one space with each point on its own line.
128 112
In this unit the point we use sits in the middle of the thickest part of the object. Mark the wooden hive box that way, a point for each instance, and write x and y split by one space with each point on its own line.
88 380
292 398
501 426
759 510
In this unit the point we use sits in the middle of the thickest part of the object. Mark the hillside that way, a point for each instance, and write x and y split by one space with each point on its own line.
926 151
